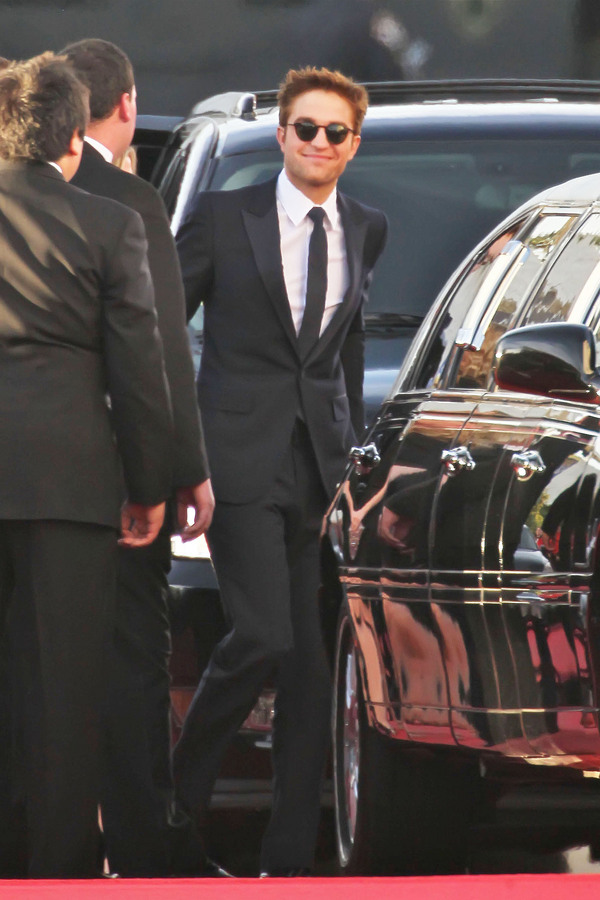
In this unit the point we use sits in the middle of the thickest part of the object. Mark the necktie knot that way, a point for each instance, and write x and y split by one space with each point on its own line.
317 214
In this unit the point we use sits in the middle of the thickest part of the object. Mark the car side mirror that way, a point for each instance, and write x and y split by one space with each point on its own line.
556 360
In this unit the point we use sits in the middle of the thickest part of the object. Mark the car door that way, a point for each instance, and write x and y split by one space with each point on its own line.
386 515
466 540
386 521
551 493
543 599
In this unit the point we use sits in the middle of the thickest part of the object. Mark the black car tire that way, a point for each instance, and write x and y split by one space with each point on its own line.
396 811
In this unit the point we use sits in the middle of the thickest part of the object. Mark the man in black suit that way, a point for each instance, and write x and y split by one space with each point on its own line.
280 389
138 786
80 365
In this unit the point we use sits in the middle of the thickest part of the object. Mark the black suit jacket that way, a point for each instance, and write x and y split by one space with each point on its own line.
77 323
190 465
252 380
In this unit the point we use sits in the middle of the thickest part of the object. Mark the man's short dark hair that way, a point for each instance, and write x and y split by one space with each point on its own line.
42 104
299 81
105 69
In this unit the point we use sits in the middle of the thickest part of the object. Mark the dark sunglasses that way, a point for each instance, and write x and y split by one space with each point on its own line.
335 132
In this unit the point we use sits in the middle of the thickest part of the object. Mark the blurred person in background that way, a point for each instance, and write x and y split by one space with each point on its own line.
127 161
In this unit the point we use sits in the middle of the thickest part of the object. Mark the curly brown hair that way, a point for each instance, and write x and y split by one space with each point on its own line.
42 104
299 81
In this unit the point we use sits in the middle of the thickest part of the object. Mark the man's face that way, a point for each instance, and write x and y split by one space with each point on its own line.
315 166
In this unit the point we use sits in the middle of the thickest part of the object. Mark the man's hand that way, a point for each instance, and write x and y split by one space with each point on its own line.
140 524
201 499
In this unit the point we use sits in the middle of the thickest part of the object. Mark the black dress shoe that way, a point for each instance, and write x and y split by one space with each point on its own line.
210 869
286 873
188 854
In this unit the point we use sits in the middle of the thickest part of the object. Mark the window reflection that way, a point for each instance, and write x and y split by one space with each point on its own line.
569 277
461 302
475 366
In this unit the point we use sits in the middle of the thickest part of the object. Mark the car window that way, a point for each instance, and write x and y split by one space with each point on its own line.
473 367
453 316
192 162
575 276
171 180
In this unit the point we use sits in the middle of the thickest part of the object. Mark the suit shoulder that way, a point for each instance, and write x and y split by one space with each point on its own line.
239 198
99 177
375 216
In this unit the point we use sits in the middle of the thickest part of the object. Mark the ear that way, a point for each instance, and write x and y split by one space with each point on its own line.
75 144
355 146
281 136
69 161
125 109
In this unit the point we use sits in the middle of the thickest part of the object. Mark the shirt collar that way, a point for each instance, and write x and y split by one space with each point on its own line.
104 151
56 166
297 205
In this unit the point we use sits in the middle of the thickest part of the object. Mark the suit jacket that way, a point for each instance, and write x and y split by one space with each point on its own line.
190 465
77 323
252 380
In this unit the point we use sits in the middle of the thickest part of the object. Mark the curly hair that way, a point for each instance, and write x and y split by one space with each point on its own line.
42 104
299 81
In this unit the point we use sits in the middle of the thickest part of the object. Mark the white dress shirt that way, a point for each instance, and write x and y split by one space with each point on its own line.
102 150
295 229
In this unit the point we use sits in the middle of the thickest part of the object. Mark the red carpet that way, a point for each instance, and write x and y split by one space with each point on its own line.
467 887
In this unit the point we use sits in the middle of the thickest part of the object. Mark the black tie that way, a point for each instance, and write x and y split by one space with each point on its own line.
316 283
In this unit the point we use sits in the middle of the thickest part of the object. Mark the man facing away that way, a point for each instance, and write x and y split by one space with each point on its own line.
80 365
282 269
137 787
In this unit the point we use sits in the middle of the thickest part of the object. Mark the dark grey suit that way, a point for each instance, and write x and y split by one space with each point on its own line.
137 784
77 324
272 475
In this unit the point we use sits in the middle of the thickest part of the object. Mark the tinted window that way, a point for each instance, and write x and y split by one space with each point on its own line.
536 244
440 197
453 316
196 155
171 181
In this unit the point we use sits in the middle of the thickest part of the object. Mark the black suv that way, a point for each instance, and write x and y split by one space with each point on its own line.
446 162
460 560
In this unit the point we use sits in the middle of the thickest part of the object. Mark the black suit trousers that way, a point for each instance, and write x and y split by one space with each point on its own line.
266 558
137 783
56 599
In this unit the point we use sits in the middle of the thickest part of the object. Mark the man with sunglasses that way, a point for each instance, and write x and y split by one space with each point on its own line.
282 269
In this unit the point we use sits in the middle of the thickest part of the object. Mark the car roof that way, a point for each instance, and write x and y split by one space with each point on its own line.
580 191
461 121
451 109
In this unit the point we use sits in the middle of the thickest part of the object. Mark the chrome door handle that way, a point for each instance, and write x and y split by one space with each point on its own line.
526 464
364 458
458 460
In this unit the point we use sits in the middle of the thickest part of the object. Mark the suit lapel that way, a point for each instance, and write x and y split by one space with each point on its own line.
262 226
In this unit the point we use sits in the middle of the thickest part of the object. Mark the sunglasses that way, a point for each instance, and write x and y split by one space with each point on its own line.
335 132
